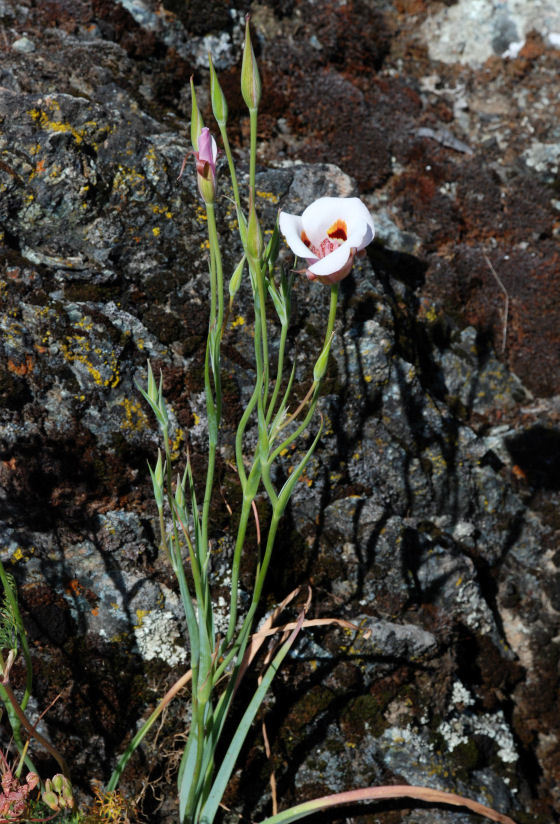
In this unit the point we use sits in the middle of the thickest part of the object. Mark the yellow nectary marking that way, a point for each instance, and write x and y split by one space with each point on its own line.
305 239
338 230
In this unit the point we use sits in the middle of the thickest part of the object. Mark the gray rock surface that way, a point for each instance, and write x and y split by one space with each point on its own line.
427 514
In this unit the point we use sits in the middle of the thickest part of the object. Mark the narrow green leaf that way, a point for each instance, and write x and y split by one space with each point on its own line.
224 773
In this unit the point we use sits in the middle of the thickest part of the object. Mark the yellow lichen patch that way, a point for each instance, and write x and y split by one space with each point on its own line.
48 125
158 209
20 554
128 178
77 348
140 615
269 196
176 444
134 418
156 230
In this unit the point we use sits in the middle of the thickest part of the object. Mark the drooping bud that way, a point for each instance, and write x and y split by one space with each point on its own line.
197 124
219 103
250 77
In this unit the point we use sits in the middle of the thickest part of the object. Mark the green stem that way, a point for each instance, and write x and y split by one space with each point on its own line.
279 371
231 165
316 387
253 154
239 435
238 649
219 276
261 290
241 530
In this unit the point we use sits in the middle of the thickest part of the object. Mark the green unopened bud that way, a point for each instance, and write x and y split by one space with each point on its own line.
197 123
58 782
254 236
164 418
58 793
242 226
322 361
179 494
219 103
50 798
157 480
152 387
235 280
250 77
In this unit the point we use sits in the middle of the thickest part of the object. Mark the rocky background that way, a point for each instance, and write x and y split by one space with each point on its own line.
429 513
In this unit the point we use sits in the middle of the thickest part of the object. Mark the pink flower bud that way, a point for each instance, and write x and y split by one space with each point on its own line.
206 165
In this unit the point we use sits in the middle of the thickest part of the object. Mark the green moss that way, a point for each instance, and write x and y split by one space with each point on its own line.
364 713
303 713
465 758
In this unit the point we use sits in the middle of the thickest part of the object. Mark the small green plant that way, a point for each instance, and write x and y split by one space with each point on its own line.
57 794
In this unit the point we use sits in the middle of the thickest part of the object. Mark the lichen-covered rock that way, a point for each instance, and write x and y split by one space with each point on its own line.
428 513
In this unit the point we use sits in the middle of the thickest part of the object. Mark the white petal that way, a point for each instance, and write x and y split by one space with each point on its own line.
332 263
320 216
322 213
291 227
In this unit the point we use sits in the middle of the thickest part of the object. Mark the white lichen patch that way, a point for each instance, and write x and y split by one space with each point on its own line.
471 31
460 695
460 727
543 157
157 636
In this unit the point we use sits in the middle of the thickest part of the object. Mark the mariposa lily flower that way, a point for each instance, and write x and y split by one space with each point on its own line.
329 234
206 157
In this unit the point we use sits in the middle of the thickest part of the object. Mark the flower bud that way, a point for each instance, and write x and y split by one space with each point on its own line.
50 798
179 494
322 362
250 78
254 236
153 396
206 165
157 476
219 103
235 280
